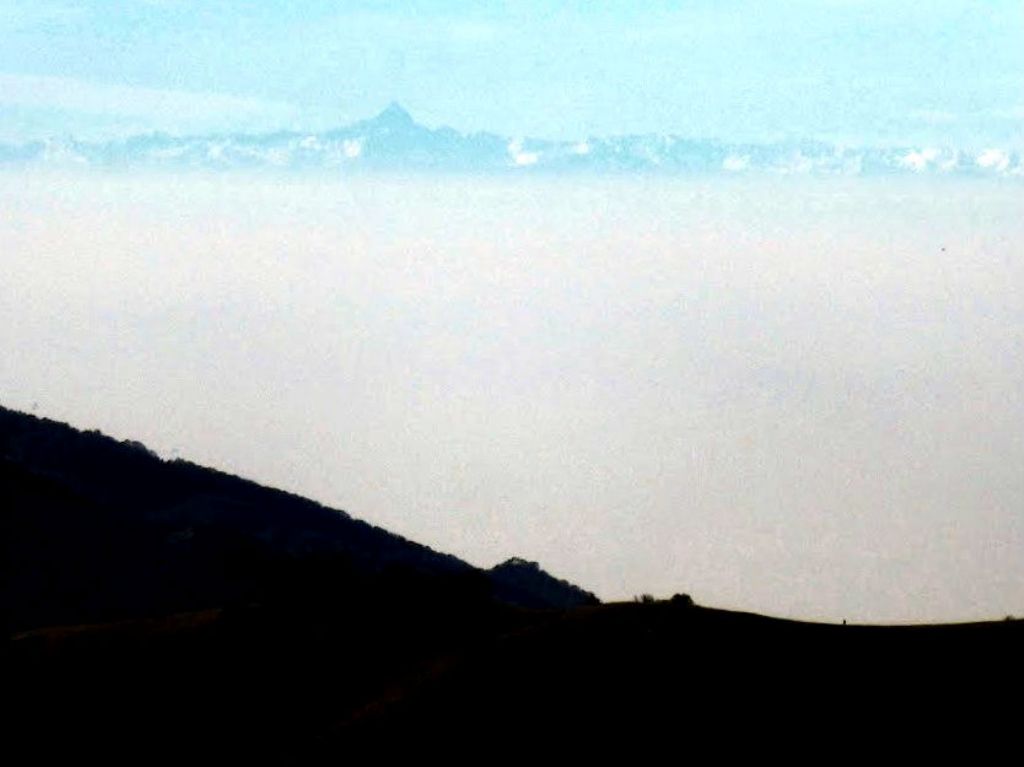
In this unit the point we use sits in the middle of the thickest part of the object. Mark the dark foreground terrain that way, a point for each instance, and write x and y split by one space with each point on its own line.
161 610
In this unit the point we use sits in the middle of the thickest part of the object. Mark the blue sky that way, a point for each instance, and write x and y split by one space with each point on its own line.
949 71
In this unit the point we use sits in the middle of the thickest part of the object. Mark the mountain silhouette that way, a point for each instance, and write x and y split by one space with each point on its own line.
394 116
394 141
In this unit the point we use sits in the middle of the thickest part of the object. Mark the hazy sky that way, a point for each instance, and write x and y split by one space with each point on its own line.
803 397
948 71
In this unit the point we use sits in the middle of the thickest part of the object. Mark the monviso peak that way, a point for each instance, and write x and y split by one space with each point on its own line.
394 116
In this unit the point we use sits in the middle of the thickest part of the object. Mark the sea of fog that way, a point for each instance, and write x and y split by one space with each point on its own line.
803 397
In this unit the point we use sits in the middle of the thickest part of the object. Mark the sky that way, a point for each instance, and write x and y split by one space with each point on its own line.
858 71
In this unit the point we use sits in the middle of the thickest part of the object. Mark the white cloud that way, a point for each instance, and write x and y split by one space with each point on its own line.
994 159
59 153
736 163
519 157
951 163
797 163
352 148
278 157
919 160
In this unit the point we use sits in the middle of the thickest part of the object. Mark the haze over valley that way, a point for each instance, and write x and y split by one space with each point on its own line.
800 396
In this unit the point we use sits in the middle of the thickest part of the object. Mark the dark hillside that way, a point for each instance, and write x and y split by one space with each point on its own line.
395 677
101 530
643 675
159 610
524 584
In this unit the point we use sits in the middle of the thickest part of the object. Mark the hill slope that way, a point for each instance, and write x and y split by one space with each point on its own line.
101 530
205 613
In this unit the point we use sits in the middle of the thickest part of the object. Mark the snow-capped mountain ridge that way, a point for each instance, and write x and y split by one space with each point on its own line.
393 140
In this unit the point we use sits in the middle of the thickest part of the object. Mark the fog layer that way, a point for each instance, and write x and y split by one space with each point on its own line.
801 397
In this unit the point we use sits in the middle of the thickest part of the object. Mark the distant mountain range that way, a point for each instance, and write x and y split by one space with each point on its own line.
394 141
